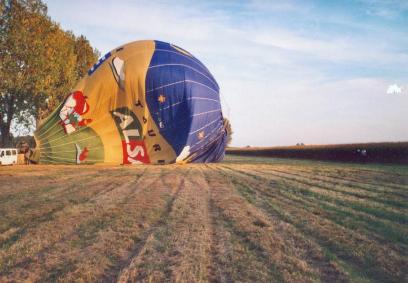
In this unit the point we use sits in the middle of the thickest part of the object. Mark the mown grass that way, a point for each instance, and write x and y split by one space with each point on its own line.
379 225
244 220
345 212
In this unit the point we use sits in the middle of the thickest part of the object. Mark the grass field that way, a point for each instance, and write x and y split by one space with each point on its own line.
246 219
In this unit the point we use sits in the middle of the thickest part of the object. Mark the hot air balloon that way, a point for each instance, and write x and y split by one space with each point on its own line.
146 102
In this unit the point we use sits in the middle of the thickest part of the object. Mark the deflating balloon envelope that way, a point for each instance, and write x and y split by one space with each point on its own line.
144 102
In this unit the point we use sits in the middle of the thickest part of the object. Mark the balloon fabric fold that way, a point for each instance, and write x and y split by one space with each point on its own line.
146 102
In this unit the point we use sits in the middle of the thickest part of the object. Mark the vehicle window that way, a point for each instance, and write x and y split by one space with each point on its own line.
8 152
2 154
14 152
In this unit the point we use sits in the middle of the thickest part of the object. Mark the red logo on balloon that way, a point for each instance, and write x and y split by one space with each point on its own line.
134 152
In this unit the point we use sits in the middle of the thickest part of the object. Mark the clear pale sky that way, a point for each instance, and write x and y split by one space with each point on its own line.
315 72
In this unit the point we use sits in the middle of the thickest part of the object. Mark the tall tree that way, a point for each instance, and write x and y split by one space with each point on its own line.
86 55
39 63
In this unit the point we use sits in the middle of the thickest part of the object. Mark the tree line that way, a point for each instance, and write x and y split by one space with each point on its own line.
39 64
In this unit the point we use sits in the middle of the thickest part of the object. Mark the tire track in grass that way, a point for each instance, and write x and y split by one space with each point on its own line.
360 256
385 173
184 249
234 257
18 259
222 248
316 176
278 212
386 232
342 180
103 241
42 237
230 258
26 211
326 269
385 219
18 225
191 231
37 191
149 252
313 181
381 212
123 271
395 183
26 184
44 211
368 177
255 229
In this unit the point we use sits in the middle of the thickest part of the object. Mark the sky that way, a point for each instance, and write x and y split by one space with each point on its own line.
312 72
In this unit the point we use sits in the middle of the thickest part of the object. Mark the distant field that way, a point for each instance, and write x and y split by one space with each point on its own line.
389 152
246 219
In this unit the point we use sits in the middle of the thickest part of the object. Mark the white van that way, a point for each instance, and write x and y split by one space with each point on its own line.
8 156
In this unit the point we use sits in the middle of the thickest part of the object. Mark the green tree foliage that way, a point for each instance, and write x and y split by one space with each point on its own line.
39 63
86 56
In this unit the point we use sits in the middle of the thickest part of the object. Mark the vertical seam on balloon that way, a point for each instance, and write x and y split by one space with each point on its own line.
198 62
186 66
203 98
212 122
183 81
174 104
202 113
190 98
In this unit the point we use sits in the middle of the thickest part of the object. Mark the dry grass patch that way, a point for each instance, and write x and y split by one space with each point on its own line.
245 220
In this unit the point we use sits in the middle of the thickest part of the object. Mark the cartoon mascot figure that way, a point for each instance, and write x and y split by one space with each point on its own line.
71 112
